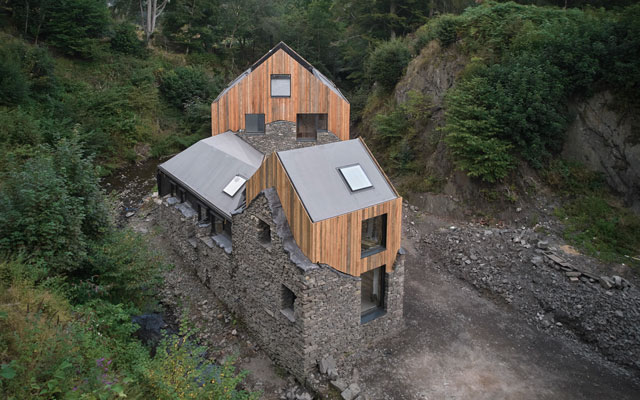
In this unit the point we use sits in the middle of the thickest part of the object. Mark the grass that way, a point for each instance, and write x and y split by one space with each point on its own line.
594 222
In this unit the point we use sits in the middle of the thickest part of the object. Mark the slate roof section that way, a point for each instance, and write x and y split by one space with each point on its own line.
209 165
320 186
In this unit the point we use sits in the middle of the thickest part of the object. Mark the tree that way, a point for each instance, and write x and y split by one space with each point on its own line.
151 11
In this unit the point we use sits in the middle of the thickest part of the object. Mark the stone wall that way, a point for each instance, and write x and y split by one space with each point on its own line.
281 135
250 280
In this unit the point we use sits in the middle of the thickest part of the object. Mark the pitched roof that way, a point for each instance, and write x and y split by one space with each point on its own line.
209 165
283 46
323 190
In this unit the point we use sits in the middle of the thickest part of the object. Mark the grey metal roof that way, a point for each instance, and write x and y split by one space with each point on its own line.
322 189
209 165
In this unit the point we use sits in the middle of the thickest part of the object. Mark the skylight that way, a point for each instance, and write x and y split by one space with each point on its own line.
355 177
236 183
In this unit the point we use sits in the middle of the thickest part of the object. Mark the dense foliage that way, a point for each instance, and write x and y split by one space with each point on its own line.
512 101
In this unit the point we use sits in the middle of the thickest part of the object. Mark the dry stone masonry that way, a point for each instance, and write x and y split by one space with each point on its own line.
299 312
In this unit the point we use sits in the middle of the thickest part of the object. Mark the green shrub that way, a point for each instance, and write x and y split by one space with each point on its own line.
387 63
14 86
50 205
396 132
181 370
125 40
446 29
185 86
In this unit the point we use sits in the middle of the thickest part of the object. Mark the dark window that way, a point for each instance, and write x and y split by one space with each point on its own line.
372 290
264 233
280 85
182 195
219 224
323 122
287 302
374 235
254 123
309 125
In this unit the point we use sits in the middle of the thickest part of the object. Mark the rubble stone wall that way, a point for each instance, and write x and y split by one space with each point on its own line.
250 280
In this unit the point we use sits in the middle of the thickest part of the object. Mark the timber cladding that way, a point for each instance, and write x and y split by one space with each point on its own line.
334 241
252 95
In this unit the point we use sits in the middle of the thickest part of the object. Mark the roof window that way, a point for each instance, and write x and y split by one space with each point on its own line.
355 177
232 187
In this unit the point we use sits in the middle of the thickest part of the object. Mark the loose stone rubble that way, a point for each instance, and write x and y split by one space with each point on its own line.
562 293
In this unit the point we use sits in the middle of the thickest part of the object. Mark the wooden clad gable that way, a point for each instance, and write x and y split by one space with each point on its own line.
252 95
334 241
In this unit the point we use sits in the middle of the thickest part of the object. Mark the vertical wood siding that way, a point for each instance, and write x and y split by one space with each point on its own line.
252 95
333 241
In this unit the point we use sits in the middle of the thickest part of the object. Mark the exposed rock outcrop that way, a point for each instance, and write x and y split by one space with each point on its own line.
607 140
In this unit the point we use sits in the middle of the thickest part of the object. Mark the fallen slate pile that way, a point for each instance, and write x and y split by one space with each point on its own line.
564 294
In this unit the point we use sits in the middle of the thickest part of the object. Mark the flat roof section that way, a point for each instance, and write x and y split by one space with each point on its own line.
208 166
325 193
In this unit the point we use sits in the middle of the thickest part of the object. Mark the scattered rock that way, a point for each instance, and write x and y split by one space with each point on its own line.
340 385
130 214
351 392
325 364
543 245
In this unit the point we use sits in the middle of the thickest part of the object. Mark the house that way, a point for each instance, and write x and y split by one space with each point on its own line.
299 235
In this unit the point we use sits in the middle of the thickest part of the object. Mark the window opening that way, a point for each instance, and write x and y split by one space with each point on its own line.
264 233
280 85
374 235
323 122
372 292
355 177
287 300
254 123
234 185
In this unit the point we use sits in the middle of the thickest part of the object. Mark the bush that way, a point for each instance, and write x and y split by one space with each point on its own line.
187 85
125 40
180 369
387 63
50 205
14 87
446 29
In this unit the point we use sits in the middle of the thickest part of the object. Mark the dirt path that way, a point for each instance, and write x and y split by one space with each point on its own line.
460 345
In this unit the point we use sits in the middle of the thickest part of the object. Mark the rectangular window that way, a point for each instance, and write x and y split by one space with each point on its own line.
374 235
323 122
287 303
355 177
280 85
254 123
372 292
234 185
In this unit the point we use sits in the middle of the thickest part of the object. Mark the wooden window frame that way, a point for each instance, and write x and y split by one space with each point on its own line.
279 76
383 245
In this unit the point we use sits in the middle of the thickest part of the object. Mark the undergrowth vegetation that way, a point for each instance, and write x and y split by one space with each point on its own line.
69 284
511 102
595 221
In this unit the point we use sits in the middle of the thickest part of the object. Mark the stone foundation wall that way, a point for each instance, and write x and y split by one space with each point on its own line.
250 280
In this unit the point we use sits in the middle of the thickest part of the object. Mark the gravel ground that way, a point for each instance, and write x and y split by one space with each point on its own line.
516 267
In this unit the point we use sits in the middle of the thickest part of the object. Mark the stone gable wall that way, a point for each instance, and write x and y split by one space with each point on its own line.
249 281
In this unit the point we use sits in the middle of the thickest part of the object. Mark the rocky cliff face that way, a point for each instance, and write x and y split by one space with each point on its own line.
607 140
